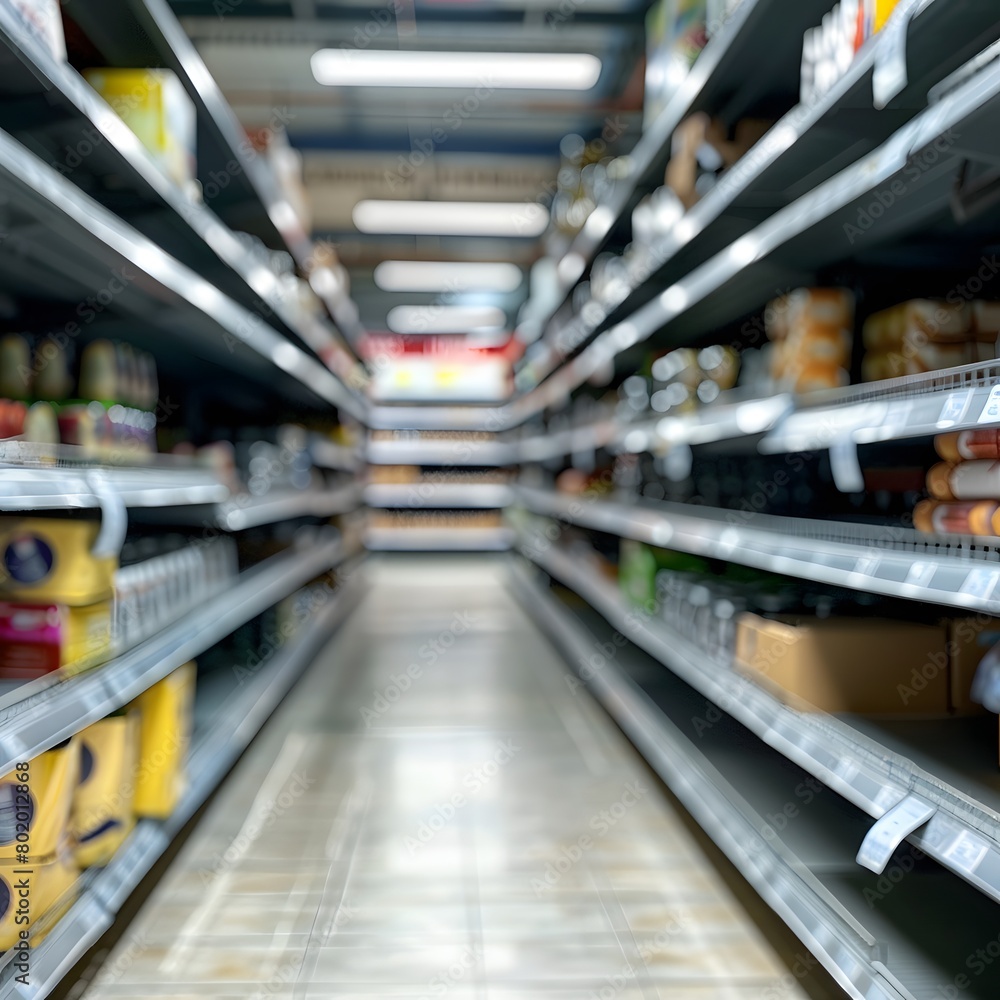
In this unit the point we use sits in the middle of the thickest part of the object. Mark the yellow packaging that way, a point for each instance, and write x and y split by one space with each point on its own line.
35 803
165 732
154 105
50 560
29 894
36 639
883 8
102 805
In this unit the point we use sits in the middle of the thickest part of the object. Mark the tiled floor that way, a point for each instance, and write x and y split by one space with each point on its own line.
468 826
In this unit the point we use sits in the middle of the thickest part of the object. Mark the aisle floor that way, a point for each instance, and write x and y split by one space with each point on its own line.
486 832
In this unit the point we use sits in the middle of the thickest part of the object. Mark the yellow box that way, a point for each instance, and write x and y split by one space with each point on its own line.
863 665
102 804
30 893
50 560
154 105
165 734
35 803
36 639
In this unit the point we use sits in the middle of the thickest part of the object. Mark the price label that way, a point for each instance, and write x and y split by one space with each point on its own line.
981 583
920 574
966 851
954 408
991 411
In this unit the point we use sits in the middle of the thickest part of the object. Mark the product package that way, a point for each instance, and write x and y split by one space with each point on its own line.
860 665
36 801
36 639
102 804
56 607
811 332
165 717
154 105
33 894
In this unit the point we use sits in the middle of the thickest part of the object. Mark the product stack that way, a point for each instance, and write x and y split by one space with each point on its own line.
926 335
811 332
964 487
108 410
73 806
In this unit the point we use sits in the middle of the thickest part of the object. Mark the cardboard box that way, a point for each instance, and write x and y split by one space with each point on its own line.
871 666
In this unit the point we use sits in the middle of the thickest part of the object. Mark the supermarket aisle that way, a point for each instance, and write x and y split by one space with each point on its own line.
434 810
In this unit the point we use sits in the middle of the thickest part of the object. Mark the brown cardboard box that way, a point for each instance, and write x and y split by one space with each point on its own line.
873 666
969 639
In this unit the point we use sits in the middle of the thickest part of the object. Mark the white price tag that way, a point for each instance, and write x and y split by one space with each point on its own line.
991 411
981 583
920 574
954 408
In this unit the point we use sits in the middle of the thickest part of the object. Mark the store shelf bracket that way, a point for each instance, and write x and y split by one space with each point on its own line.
891 830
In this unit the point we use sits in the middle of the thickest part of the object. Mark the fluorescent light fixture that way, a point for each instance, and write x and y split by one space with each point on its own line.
487 70
442 276
451 218
444 319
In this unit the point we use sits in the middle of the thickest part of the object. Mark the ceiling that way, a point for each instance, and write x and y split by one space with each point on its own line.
427 143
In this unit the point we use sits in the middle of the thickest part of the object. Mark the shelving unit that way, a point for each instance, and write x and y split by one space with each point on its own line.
438 539
441 452
214 751
248 511
875 941
438 495
874 776
64 245
167 215
954 572
809 233
28 727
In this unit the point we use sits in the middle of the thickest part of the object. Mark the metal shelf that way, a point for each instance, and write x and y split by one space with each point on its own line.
928 39
435 418
246 511
27 728
213 753
961 833
440 451
59 488
63 245
837 939
424 495
913 406
327 455
166 214
438 539
949 571
808 234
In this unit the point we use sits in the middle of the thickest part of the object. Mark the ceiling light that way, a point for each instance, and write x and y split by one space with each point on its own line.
444 276
444 319
487 70
451 218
